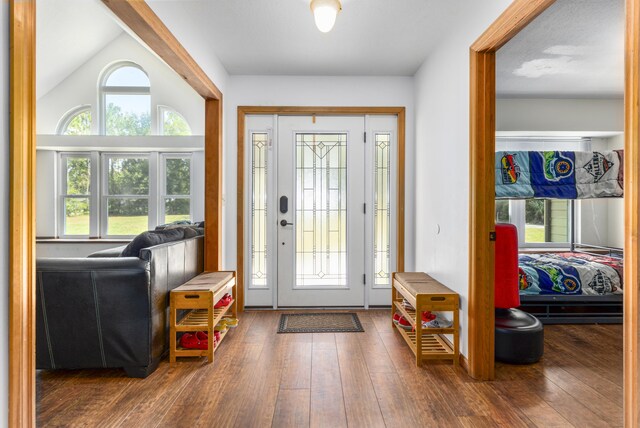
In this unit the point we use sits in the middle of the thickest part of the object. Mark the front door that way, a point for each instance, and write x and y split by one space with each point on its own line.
320 211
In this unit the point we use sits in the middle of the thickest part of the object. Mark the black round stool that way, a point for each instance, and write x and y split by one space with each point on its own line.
519 337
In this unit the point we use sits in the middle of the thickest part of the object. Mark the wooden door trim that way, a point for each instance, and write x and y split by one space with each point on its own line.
22 125
482 193
482 98
143 21
632 214
22 21
243 111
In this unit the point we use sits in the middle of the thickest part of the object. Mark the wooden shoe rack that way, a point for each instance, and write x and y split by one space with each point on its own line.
198 296
426 294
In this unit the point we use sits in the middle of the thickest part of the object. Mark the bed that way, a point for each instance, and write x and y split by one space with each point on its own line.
583 285
575 287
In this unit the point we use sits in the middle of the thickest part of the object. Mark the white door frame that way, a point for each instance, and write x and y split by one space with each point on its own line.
243 165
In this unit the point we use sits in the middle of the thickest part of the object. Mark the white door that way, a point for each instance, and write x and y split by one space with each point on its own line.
320 211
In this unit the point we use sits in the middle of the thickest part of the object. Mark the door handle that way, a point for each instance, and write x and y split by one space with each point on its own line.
284 223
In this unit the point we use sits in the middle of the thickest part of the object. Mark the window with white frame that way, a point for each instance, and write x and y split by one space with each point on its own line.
75 195
540 222
176 188
133 193
76 122
125 95
125 200
170 122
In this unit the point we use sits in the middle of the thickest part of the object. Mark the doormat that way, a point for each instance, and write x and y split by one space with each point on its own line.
320 323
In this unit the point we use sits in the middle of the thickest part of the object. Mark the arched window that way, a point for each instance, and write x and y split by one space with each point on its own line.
125 100
76 122
170 122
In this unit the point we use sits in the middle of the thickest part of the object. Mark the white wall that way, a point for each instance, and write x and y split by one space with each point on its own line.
46 188
312 91
563 115
81 88
4 212
72 249
442 154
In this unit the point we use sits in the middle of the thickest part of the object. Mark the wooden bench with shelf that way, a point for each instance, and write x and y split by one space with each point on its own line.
426 294
198 296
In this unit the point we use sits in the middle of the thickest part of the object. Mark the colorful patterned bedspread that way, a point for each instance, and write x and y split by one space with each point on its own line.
570 273
559 175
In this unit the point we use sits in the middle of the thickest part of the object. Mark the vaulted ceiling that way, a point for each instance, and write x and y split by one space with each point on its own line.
68 33
574 49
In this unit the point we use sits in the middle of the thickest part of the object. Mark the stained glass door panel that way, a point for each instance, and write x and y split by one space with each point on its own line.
321 210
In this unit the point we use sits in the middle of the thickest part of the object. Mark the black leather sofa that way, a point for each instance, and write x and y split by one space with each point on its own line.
107 311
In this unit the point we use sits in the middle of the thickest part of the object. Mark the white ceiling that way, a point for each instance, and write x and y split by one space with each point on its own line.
279 37
68 33
574 49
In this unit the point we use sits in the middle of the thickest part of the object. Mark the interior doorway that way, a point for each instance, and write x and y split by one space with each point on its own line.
321 193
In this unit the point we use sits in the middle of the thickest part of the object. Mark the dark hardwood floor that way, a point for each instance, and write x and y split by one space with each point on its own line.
262 379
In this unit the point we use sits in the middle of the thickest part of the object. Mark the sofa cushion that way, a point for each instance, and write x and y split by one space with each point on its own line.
151 239
174 224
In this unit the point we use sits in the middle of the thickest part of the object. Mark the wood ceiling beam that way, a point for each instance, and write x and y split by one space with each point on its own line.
143 21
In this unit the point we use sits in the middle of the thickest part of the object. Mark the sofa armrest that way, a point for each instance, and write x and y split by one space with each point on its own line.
93 312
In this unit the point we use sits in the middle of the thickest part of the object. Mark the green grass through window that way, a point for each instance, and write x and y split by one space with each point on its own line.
534 233
79 225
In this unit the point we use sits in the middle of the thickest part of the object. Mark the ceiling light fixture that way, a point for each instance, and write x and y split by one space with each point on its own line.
325 12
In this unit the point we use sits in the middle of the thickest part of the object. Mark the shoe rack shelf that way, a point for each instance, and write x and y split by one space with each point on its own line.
426 294
198 297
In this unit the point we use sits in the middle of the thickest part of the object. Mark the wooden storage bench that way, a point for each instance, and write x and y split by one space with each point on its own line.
426 294
198 296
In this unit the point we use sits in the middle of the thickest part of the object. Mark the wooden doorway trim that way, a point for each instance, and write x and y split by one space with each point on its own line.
482 127
22 125
22 22
143 21
632 215
243 111
482 194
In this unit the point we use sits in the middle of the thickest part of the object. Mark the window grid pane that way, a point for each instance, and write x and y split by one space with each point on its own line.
127 216
546 220
502 211
80 124
176 209
128 176
127 114
259 144
173 123
128 76
321 210
78 175
178 176
76 216
382 210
